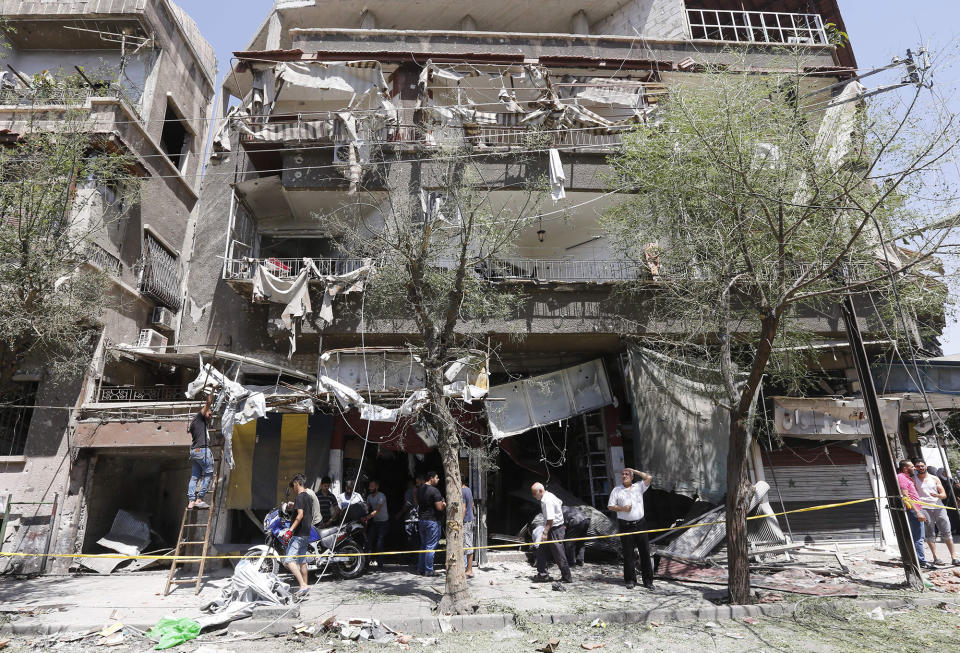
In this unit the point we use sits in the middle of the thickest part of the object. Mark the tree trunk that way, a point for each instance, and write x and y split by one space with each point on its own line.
738 503
456 596
739 490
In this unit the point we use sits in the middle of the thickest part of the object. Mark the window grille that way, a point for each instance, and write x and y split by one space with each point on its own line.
16 411
160 277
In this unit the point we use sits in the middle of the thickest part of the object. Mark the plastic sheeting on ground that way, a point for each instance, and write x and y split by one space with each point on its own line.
169 632
546 399
684 430
248 588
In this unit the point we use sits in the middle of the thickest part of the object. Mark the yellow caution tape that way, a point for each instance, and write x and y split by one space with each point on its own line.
278 556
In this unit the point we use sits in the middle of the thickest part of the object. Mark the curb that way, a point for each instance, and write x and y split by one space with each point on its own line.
262 621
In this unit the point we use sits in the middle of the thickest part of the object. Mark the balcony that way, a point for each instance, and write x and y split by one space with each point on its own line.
756 27
130 394
495 270
66 96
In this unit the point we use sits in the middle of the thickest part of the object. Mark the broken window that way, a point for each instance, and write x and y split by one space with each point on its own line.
175 138
16 410
160 274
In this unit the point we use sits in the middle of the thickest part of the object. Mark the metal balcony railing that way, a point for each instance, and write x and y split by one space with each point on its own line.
63 95
289 268
129 393
104 260
562 270
756 26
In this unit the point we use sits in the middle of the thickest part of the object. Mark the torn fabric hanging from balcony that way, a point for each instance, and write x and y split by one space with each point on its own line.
684 430
294 294
547 399
825 418
390 373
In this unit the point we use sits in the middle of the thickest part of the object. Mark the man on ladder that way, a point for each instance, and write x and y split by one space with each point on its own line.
201 456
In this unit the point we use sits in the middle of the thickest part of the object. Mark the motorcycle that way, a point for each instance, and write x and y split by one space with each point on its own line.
339 548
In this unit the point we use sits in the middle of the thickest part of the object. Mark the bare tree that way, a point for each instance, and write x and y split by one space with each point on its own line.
759 205
438 238
61 184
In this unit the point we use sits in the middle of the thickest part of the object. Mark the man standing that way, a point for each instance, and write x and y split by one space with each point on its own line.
931 491
347 501
468 518
326 501
408 514
627 501
915 514
552 509
201 458
298 536
430 505
377 520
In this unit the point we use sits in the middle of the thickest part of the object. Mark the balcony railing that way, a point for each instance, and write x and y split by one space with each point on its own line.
129 393
63 95
756 26
104 260
559 270
306 131
289 268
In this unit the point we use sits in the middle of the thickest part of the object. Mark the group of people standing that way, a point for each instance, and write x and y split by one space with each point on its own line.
924 493
626 501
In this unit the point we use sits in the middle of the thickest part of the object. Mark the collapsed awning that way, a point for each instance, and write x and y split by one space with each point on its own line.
192 356
517 407
827 418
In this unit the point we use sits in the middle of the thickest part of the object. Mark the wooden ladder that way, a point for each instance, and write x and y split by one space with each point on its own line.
198 535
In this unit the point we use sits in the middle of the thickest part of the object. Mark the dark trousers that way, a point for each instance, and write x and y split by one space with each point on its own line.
574 550
376 534
632 543
554 549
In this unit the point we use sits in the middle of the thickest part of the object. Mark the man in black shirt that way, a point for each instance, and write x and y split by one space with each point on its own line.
200 457
430 505
299 535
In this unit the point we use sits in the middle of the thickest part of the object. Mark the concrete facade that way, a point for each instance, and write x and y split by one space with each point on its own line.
168 67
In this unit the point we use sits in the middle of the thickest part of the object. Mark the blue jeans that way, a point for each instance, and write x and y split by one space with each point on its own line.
429 538
297 546
202 460
916 532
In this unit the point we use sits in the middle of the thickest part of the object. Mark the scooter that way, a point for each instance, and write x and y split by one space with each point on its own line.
338 548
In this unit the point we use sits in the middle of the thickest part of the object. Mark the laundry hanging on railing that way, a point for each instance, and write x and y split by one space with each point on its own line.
557 176
342 284
294 294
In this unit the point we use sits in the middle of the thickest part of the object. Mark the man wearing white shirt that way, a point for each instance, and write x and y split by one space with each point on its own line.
553 529
627 501
347 501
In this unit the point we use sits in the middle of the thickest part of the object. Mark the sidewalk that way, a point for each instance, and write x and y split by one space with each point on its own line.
503 589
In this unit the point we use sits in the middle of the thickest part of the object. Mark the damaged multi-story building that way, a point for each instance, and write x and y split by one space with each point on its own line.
150 83
328 99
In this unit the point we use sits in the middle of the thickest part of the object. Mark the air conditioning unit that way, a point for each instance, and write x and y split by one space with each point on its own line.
152 341
163 318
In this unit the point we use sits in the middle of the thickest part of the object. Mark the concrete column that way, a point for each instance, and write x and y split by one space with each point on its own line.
335 470
274 31
580 24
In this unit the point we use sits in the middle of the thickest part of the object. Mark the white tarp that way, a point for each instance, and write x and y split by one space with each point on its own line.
557 176
540 400
343 284
826 418
839 124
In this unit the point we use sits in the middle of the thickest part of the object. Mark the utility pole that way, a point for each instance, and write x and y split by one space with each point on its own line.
888 471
